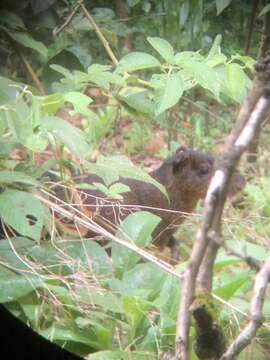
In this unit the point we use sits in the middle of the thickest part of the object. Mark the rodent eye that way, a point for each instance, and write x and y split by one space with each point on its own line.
204 169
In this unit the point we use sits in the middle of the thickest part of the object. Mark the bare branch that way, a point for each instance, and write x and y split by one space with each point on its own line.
59 29
99 33
214 204
256 316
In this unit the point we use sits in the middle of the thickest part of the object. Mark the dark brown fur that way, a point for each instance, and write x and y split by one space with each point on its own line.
186 177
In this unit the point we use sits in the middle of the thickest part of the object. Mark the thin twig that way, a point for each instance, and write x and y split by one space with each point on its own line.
56 31
93 226
256 315
99 33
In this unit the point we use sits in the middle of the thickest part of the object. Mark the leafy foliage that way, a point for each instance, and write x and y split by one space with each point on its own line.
106 303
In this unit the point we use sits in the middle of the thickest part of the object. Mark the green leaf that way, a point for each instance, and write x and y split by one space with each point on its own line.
109 355
110 169
144 280
235 79
79 101
167 92
69 332
221 5
36 142
100 75
264 10
9 177
8 90
13 287
19 120
215 49
135 310
163 48
90 251
203 75
136 228
137 103
52 103
137 61
23 212
105 299
11 19
27 41
60 69
72 137
15 259
228 290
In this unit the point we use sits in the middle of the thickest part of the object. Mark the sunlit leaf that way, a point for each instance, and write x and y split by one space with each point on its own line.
137 61
163 47
23 212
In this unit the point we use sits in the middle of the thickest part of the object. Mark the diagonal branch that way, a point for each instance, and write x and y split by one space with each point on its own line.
256 316
214 204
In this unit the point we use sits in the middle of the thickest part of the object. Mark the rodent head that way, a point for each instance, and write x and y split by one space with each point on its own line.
193 170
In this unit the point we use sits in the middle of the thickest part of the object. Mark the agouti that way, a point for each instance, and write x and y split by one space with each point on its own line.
186 177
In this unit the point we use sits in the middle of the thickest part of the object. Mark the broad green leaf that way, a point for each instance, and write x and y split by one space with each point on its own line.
13 287
163 47
66 73
136 228
6 147
203 75
68 331
246 248
185 56
105 299
135 310
11 19
9 177
221 5
137 103
144 280
169 93
248 61
101 75
89 253
264 10
215 49
109 355
216 60
52 103
169 296
23 212
228 290
79 101
19 120
36 142
137 61
15 259
117 189
9 89
110 169
26 40
235 79
72 137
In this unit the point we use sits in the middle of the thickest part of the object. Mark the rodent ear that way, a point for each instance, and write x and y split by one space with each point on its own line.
180 159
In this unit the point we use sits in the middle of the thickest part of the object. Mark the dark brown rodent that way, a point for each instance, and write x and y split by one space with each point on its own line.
186 177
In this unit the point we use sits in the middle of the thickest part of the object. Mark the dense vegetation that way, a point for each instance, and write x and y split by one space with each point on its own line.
119 81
